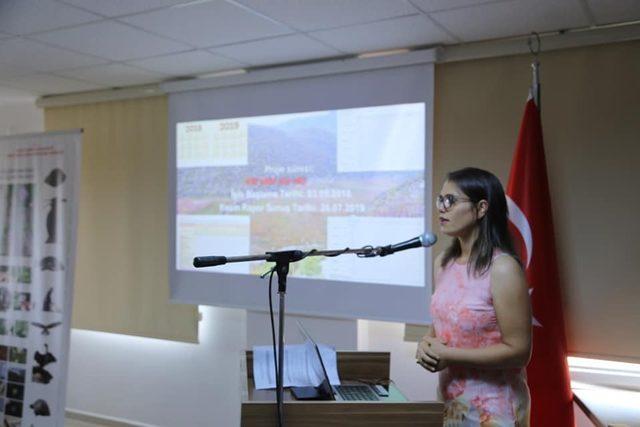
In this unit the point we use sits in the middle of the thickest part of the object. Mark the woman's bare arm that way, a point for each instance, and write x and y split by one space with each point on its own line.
431 333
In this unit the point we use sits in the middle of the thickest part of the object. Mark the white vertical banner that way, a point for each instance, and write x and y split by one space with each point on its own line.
39 179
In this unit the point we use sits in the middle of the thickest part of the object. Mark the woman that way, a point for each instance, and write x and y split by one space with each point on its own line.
481 336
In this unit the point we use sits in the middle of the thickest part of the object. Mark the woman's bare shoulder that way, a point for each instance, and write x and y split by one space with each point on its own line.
505 264
505 272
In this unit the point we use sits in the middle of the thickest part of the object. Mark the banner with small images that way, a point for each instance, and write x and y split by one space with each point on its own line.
39 178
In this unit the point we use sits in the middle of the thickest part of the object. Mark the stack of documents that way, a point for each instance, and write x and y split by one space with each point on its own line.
301 366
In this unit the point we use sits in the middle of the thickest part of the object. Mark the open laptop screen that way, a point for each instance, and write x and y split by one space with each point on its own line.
325 385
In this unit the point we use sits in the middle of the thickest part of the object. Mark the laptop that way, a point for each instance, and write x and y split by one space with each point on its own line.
326 391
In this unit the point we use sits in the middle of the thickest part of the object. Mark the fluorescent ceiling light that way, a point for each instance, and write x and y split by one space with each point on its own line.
191 3
383 53
223 73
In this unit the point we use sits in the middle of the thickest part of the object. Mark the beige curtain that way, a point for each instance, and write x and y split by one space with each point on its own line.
122 266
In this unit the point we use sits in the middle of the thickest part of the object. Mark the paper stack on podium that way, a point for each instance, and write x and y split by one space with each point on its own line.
301 366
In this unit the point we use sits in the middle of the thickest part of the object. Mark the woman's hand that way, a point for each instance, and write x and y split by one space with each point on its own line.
432 354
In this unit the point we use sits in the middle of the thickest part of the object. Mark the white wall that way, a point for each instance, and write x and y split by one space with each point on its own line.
20 117
160 382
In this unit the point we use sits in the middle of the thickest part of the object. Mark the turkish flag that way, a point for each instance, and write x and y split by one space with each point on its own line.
531 223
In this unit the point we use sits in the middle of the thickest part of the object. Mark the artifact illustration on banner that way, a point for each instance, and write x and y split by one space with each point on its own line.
38 205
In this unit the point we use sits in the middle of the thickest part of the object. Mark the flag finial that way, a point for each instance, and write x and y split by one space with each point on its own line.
534 48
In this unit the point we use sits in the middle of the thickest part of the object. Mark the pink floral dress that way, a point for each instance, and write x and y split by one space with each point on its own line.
464 317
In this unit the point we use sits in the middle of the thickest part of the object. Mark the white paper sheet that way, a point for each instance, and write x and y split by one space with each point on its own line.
301 366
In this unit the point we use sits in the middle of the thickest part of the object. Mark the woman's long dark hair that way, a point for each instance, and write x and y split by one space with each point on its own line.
477 185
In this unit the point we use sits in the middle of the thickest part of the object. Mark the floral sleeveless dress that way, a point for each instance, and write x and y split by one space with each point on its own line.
464 317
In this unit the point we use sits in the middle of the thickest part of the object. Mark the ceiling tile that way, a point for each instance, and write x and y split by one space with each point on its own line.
186 63
518 17
395 33
32 55
122 7
21 17
112 40
46 84
316 15
608 12
207 24
113 75
277 50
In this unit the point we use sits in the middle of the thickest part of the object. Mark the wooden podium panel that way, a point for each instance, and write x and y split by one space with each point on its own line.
259 406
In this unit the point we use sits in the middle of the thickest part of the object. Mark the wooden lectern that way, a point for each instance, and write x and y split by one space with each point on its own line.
259 406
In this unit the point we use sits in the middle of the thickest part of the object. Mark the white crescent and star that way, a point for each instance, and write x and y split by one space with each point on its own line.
519 220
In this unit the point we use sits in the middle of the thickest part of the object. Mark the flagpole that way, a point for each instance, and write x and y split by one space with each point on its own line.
535 88
535 67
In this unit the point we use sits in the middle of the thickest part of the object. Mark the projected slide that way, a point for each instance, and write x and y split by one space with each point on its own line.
323 180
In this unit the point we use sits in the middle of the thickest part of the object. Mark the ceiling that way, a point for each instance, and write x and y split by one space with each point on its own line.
63 46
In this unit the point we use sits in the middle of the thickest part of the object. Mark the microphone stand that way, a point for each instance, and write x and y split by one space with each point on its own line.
283 259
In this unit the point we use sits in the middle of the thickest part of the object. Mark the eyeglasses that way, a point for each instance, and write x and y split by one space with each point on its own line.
448 200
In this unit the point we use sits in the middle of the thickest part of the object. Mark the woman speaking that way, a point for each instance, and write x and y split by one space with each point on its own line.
480 342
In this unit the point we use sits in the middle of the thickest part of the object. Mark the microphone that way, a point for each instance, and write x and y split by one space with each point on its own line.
209 261
425 240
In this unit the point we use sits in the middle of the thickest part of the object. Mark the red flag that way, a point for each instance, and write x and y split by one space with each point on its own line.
532 226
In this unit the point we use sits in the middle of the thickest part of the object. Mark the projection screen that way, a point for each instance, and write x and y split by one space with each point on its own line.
324 161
